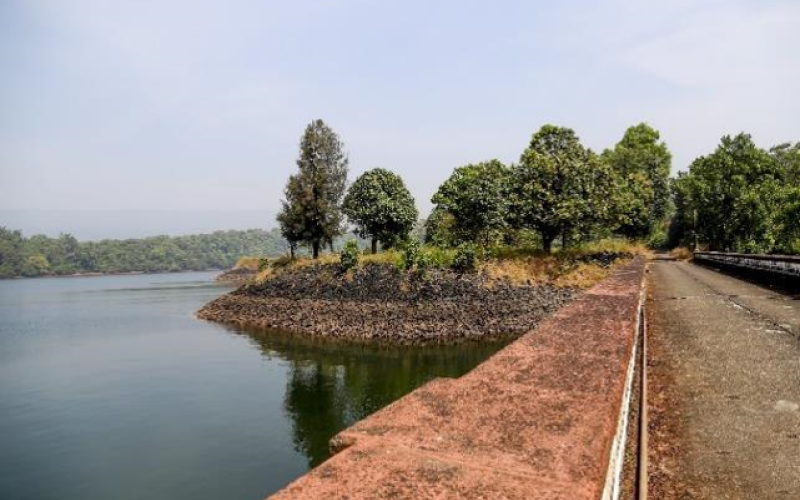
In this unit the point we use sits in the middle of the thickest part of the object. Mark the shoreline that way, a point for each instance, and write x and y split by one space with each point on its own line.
99 274
378 303
236 275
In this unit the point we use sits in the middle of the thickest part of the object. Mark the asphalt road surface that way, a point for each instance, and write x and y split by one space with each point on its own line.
724 386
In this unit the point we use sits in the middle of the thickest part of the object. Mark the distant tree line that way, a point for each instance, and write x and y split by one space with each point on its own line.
740 198
558 191
40 255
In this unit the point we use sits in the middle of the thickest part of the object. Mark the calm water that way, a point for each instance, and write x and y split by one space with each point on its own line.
110 388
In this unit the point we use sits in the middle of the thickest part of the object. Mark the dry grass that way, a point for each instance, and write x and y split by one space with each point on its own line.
325 258
562 268
681 253
523 270
284 262
519 265
264 274
549 269
250 263
610 245
387 257
586 275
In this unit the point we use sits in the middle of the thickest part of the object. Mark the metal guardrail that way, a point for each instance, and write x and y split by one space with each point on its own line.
786 265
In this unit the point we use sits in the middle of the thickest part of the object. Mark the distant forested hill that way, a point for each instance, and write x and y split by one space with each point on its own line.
40 255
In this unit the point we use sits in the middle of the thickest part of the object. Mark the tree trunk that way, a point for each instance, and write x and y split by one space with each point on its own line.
374 245
315 249
547 243
291 251
564 240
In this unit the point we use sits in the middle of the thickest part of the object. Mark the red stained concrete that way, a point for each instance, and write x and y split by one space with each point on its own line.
536 420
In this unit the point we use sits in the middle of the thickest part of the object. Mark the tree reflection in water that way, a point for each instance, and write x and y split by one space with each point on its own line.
332 384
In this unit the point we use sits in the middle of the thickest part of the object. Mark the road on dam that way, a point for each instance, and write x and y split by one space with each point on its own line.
724 366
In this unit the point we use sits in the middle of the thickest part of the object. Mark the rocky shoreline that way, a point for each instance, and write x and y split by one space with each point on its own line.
380 302
238 275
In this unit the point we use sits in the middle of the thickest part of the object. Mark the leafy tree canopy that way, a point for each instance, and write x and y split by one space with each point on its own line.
788 158
381 207
730 199
439 228
475 197
642 165
560 188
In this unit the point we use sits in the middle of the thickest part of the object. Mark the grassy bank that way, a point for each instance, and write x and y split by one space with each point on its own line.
579 267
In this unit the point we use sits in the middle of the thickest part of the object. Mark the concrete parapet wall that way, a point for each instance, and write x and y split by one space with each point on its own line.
787 265
539 419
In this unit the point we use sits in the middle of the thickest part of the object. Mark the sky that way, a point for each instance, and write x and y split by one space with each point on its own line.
184 114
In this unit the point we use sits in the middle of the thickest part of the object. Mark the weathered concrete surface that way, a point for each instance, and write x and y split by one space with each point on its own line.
725 387
536 420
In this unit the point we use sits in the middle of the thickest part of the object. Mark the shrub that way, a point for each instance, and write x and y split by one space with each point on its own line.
263 263
437 257
410 256
465 259
349 255
424 262
658 240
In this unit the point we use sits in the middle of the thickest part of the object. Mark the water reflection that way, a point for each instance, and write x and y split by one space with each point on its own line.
333 384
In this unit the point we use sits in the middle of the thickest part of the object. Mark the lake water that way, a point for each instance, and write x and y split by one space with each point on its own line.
111 388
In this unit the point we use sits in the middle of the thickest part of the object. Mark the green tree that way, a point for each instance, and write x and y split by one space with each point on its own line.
786 220
475 197
63 255
729 195
788 227
642 165
681 225
560 188
381 207
291 217
35 265
788 158
312 209
439 228
11 244
633 204
41 255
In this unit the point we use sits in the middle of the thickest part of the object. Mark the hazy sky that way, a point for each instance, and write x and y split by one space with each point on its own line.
195 105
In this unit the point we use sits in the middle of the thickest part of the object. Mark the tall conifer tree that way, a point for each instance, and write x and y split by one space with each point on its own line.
311 212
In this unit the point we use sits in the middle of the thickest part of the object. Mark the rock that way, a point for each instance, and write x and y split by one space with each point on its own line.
379 302
237 275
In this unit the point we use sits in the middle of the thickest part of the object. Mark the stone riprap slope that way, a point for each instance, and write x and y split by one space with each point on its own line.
238 275
380 302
